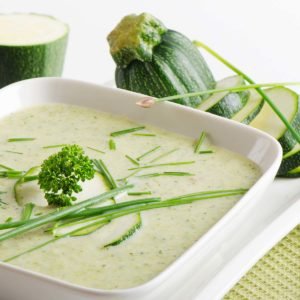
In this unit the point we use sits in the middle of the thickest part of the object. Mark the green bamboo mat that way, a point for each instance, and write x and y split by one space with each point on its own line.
275 276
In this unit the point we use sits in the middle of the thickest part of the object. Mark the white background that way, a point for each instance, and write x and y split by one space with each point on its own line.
260 36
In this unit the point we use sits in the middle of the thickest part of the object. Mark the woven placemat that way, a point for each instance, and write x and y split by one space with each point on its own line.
275 276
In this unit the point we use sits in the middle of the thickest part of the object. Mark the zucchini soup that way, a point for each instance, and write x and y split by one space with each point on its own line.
182 187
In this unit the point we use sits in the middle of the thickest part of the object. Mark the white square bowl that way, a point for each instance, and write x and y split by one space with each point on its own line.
193 273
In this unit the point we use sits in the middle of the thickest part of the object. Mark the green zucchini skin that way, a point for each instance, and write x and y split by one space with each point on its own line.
177 67
24 62
253 113
287 140
230 104
290 161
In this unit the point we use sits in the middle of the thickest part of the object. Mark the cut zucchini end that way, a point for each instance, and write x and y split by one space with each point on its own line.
30 29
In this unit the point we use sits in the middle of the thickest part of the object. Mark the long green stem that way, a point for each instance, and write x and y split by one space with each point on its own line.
149 101
54 216
90 211
259 90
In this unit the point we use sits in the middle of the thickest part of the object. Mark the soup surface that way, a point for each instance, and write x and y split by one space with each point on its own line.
165 233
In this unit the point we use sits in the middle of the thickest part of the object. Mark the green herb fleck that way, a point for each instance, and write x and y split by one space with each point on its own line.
112 144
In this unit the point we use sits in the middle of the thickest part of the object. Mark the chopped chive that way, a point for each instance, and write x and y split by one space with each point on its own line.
206 152
147 153
97 150
1 201
20 139
125 131
167 174
5 167
55 146
27 211
163 155
112 144
128 176
135 162
144 134
139 193
165 164
11 174
15 152
9 219
102 169
199 142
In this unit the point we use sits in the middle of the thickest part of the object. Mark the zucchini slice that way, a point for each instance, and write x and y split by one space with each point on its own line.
31 46
226 104
290 161
288 103
251 109
137 224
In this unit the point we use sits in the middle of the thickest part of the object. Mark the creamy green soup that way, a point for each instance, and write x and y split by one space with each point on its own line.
165 233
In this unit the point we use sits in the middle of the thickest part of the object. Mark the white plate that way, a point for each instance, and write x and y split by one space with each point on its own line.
212 264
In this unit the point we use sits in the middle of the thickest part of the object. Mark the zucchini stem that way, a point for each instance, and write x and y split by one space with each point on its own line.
259 90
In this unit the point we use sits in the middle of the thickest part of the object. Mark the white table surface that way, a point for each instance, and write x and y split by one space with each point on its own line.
261 37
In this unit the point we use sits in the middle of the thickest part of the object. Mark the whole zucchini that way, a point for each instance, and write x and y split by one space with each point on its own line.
158 62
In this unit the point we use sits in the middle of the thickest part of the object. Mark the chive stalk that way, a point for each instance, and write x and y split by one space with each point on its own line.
55 146
163 165
27 211
134 161
166 174
199 142
96 150
144 134
150 101
14 152
126 131
148 152
139 193
103 170
163 155
20 139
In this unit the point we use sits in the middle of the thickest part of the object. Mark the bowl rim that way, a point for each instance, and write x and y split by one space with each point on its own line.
162 276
